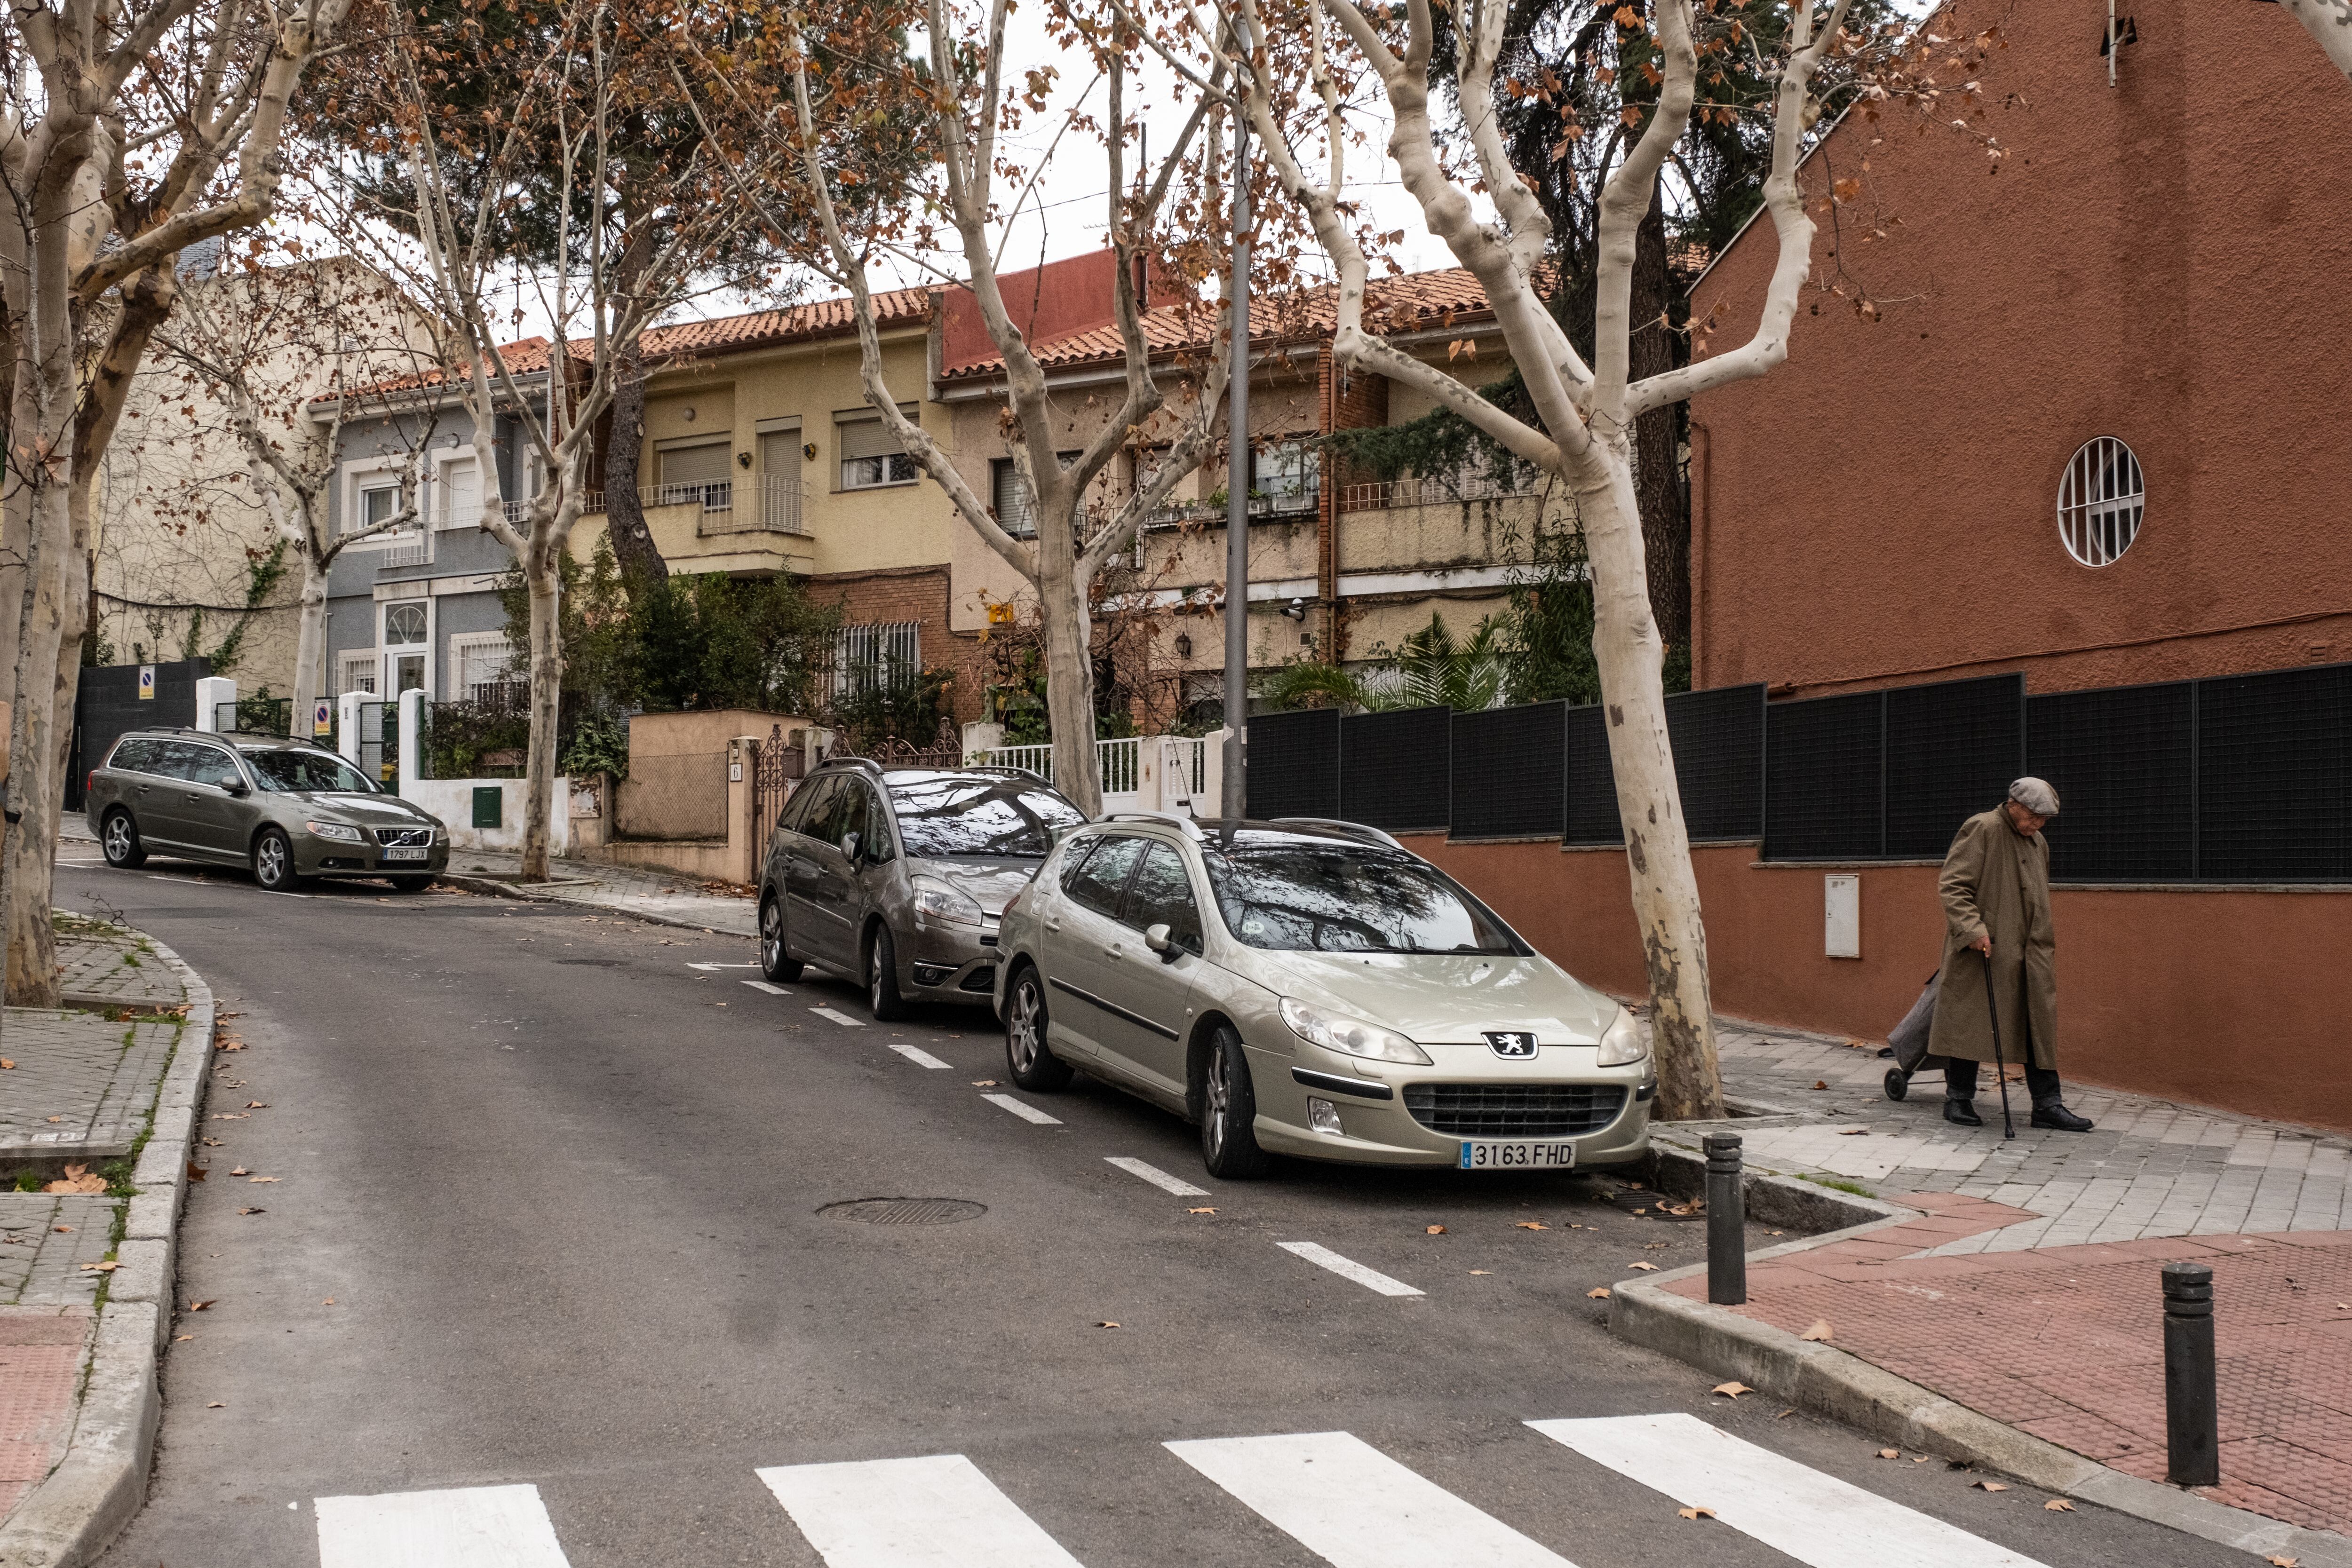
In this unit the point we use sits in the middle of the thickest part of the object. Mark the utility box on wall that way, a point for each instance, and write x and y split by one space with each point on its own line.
1841 915
489 806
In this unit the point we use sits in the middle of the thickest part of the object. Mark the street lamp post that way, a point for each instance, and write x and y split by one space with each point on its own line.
1232 797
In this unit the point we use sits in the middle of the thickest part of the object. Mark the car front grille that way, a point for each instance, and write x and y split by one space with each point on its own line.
405 838
1514 1110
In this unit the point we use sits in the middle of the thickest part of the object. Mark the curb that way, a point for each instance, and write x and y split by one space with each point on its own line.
529 895
1845 1388
69 1517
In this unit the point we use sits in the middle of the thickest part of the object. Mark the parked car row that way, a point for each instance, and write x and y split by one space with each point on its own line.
1300 988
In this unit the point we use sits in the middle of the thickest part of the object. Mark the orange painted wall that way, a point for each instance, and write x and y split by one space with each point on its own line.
2221 997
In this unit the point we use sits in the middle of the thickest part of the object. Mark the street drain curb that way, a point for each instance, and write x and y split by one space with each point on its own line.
100 1484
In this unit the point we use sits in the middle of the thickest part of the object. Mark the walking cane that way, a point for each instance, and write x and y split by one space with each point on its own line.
1992 1010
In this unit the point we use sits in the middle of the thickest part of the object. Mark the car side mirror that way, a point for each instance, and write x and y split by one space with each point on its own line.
1161 941
849 844
236 786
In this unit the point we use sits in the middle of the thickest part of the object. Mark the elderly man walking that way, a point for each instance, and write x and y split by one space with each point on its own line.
1996 891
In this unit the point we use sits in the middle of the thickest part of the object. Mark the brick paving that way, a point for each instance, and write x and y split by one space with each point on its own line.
83 1085
631 890
41 1355
109 965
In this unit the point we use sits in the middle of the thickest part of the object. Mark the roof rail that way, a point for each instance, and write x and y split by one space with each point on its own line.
1356 830
1006 769
1191 829
865 762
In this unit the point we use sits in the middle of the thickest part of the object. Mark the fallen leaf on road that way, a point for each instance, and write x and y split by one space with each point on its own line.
240 1171
200 1306
1820 1083
1695 1512
62 1229
108 1267
1731 1390
260 1178
2060 1505
1819 1334
1991 1486
1531 1224
1920 1460
984 1084
1599 1292
1854 1132
1640 1211
77 1178
1890 1453
6 1064
1437 1231
197 1172
253 1211
56 1118
2285 1561
216 1405
230 1045
1482 1271
1645 1268
212 1143
256 1104
1784 1414
1200 1211
1106 1326
328 1302
182 1338
1634 1187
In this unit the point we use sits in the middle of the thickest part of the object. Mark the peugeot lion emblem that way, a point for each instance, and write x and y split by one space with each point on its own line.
1514 1045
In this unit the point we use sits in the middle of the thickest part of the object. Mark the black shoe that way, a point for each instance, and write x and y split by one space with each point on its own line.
1962 1114
2057 1117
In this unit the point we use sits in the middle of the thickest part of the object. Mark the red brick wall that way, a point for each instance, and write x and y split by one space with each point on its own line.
2164 262
919 594
2148 999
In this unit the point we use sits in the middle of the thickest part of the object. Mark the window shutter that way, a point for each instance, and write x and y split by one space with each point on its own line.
1012 504
864 435
461 496
703 464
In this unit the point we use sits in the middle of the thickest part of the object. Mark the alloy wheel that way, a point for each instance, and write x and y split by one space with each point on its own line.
772 934
874 977
1024 1025
118 837
271 860
1220 1097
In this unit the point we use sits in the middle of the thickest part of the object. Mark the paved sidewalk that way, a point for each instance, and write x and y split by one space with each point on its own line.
656 896
2029 1288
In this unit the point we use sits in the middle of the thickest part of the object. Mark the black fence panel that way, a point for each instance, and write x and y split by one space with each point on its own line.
2274 776
107 705
1952 749
1592 780
1510 772
2123 760
1718 738
1293 764
1822 778
1396 768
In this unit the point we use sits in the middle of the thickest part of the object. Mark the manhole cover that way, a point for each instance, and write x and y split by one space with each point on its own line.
905 1210
597 963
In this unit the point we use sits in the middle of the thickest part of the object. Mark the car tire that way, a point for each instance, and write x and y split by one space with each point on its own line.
118 840
882 998
775 962
409 883
1028 1059
273 862
1229 1111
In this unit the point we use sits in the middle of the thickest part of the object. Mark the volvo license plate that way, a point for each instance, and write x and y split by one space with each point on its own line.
415 854
1528 1155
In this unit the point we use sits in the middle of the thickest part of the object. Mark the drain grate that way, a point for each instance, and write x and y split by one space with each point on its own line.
905 1210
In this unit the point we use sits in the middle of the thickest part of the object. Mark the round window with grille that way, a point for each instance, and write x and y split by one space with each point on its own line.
2101 498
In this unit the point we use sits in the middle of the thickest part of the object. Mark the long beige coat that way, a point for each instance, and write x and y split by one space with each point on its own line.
1995 880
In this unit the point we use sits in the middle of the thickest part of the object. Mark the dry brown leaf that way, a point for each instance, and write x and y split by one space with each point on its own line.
54 1118
1819 1334
1482 1271
1920 1460
1731 1390
216 1405
1991 1486
1645 1268
200 1306
253 1211
328 1302
2060 1505
1854 1132
1890 1454
1531 1224
1599 1292
984 1084
256 1104
1200 1211
77 1178
240 1171
108 1267
1695 1512
212 1143
1634 1187
1436 1230
2285 1561
1106 1324
1821 1083
62 1229
1640 1211
182 1338
6 1064
197 1172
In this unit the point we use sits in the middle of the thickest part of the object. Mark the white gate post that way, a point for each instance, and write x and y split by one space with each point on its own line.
347 724
211 692
412 733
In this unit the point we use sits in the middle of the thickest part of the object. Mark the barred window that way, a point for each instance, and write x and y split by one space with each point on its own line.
874 655
2101 498
490 674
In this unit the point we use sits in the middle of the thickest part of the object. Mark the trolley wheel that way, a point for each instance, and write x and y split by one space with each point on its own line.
1898 1083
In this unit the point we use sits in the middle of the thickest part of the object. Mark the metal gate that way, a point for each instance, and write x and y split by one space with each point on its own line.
776 768
380 742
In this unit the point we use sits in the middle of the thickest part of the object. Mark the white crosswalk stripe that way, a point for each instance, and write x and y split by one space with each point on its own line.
1022 1109
938 1512
1322 1257
1354 1507
1819 1520
468 1527
1156 1177
1342 1499
772 989
917 1054
838 1018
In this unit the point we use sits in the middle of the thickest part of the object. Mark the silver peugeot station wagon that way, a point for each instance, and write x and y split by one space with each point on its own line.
1312 989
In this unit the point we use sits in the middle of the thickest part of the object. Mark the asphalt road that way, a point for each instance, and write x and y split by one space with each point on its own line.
549 1212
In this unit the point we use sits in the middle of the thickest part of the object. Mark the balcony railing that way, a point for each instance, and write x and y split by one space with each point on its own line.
1290 503
1433 492
760 504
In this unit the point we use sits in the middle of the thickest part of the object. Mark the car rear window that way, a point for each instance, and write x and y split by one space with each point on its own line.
943 816
308 772
134 756
1305 895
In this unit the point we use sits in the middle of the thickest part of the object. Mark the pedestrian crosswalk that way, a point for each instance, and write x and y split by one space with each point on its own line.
1338 1497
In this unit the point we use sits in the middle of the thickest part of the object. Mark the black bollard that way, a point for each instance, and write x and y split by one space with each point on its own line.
1727 1222
2193 1416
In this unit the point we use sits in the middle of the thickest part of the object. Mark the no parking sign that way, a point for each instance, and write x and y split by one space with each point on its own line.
322 718
146 683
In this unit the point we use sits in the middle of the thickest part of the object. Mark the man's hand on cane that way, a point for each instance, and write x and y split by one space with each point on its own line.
1983 944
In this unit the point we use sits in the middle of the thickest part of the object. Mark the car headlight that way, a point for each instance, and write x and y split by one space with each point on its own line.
1623 1045
340 831
1352 1037
939 901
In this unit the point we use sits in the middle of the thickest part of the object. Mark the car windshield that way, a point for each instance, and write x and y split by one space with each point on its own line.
948 815
1313 895
308 772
